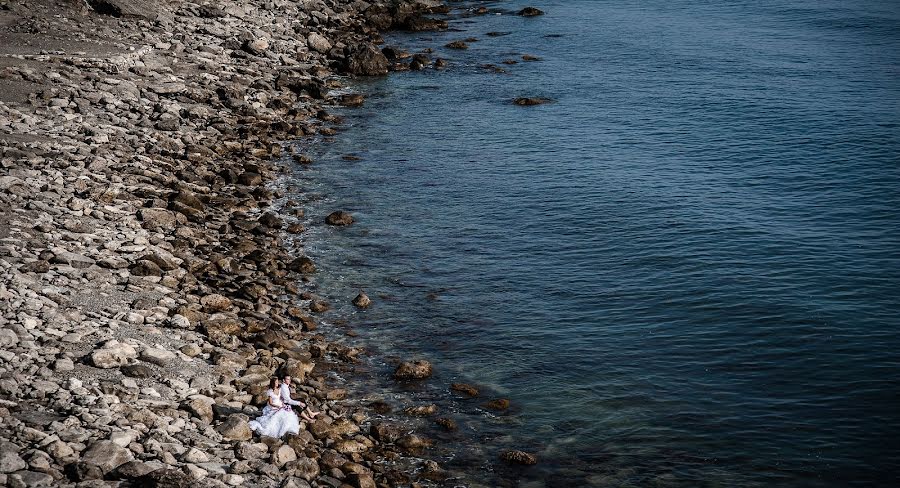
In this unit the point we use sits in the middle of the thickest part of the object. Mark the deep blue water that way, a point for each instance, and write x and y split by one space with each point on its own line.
685 271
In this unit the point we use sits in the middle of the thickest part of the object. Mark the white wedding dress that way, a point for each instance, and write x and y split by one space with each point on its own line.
276 421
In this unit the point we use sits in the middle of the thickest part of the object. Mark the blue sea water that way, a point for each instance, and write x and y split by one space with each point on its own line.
684 271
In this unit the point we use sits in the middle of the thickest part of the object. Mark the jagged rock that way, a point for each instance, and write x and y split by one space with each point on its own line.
362 300
457 45
361 480
413 370
386 432
134 469
164 478
421 410
8 338
446 423
113 354
106 455
366 60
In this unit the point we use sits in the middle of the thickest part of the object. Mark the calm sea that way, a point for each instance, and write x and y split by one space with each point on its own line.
685 271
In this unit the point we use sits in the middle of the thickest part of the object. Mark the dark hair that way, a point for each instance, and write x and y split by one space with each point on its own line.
272 382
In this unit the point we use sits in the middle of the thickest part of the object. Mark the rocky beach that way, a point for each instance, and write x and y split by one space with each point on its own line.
147 294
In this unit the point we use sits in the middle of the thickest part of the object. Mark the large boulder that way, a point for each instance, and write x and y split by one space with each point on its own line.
283 455
366 60
106 455
113 354
235 428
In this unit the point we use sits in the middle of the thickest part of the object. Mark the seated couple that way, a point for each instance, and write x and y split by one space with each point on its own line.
278 418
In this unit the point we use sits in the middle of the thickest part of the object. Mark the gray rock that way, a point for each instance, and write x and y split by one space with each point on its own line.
8 338
77 261
157 356
29 479
9 458
106 455
113 354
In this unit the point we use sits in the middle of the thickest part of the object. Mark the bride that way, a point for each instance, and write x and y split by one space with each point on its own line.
277 419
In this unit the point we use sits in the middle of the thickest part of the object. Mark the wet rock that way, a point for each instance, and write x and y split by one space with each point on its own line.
457 45
106 455
339 218
361 480
421 410
366 60
352 100
447 423
413 442
386 432
518 457
302 265
530 101
271 220
413 370
465 389
362 301
113 354
235 428
497 404
319 306
530 12
381 407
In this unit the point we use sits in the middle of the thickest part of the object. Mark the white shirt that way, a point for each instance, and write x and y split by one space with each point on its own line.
286 396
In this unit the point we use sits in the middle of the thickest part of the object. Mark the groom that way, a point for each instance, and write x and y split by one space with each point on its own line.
285 393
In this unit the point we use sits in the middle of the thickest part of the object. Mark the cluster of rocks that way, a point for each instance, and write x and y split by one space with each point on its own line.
145 294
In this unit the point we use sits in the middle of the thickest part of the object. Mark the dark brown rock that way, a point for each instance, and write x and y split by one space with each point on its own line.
366 60
413 370
465 389
530 12
339 218
518 457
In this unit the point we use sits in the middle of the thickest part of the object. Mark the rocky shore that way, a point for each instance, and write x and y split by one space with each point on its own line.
146 295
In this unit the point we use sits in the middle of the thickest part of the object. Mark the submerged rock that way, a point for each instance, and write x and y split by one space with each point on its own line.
530 12
362 300
529 101
518 457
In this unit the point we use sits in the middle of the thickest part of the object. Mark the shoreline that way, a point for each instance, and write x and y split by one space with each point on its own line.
147 294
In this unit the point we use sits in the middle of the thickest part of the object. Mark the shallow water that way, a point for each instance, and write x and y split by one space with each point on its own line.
685 271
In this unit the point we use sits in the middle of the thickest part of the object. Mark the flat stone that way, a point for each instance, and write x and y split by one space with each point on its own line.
106 455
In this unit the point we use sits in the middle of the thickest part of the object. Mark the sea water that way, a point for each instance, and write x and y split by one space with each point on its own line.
683 271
